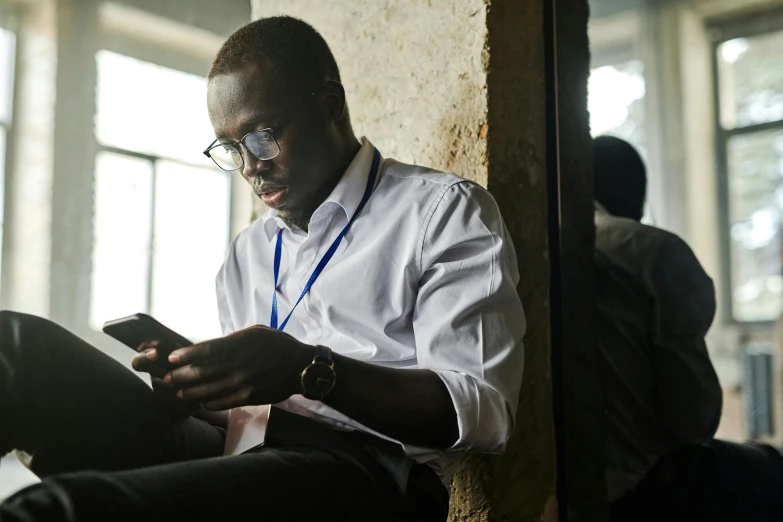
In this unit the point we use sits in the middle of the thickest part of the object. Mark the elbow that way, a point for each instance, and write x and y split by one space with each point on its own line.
485 417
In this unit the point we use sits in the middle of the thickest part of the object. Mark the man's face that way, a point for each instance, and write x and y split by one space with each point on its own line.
248 100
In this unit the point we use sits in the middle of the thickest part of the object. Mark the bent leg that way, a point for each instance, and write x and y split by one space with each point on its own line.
279 484
72 407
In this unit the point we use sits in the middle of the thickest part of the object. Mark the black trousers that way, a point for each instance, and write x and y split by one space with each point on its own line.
108 450
717 481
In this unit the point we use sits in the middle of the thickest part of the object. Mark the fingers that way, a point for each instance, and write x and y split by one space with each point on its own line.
239 398
197 352
194 373
144 360
213 390
148 344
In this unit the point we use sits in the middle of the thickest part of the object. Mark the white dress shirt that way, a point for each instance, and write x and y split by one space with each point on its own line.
654 305
425 278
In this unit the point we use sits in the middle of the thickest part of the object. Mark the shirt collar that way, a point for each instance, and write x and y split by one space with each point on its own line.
346 196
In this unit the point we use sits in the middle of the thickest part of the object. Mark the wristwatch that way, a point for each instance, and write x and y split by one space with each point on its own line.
319 377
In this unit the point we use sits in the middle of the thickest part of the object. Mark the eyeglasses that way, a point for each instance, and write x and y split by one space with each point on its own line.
228 156
261 144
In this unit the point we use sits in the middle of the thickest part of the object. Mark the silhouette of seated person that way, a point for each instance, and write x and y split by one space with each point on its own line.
662 396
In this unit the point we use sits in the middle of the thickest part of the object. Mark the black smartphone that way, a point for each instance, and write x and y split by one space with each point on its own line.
137 328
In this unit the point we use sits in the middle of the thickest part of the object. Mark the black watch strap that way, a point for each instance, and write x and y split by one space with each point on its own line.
319 378
323 354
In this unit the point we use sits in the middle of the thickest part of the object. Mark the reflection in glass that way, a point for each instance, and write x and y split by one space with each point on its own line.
7 51
755 167
2 190
191 237
750 72
121 243
616 102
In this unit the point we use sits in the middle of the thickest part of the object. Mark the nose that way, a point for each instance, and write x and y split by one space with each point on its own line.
253 167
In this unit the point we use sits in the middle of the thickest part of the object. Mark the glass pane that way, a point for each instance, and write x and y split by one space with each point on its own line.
121 241
151 109
7 55
755 164
616 102
750 72
2 191
191 239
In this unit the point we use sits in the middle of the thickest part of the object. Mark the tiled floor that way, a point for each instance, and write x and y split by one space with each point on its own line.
13 476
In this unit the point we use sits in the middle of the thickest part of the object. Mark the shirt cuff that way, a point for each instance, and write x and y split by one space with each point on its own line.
485 423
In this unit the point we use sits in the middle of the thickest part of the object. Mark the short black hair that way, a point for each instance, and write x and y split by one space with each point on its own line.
620 177
298 53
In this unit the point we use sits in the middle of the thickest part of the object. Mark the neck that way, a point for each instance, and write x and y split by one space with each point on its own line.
347 153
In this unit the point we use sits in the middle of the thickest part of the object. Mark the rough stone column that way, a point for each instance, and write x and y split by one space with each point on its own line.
27 241
460 86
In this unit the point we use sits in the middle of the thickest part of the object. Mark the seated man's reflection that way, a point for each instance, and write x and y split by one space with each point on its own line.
663 400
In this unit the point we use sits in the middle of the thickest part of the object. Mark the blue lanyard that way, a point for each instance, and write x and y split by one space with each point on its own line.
376 161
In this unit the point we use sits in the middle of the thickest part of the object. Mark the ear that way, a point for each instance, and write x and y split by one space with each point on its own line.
332 97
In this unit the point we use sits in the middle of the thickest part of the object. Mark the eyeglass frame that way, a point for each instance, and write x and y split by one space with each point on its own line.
237 144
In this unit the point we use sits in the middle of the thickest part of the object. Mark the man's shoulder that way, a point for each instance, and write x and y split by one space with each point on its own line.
247 237
643 248
612 229
431 187
408 175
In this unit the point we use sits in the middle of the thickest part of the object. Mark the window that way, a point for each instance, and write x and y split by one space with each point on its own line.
617 98
749 80
7 55
616 95
162 210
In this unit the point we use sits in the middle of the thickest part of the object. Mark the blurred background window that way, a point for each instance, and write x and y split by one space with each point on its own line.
750 93
616 96
162 213
7 55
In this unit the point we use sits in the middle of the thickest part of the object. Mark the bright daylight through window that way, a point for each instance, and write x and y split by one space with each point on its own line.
616 102
7 52
750 80
161 223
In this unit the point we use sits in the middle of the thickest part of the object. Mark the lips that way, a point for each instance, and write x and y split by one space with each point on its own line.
273 195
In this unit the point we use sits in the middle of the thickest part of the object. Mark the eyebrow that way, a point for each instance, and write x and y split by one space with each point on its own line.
251 124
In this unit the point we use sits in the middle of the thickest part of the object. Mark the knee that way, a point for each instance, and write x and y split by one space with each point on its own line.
9 317
13 325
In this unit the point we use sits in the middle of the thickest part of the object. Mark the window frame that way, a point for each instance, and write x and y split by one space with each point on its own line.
139 50
7 126
721 31
154 160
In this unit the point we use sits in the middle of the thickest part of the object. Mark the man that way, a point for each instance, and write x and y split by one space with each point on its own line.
374 305
662 396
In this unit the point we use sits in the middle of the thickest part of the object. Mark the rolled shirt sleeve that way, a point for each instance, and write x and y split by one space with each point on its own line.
468 321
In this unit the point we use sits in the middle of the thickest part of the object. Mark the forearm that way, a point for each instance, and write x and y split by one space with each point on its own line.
412 406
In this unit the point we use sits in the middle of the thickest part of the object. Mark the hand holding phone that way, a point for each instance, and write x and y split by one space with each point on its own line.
145 335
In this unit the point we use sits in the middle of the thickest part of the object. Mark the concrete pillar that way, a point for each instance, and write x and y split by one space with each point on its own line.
462 87
28 216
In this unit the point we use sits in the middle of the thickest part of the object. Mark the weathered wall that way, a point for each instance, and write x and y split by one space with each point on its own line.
459 86
28 217
413 72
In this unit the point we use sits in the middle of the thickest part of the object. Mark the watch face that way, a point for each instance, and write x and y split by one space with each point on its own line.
317 380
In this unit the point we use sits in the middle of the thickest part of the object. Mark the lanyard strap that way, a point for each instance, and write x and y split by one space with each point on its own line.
376 161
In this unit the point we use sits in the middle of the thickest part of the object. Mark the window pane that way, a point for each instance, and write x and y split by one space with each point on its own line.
151 109
616 102
755 164
751 80
7 50
121 243
191 237
2 190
